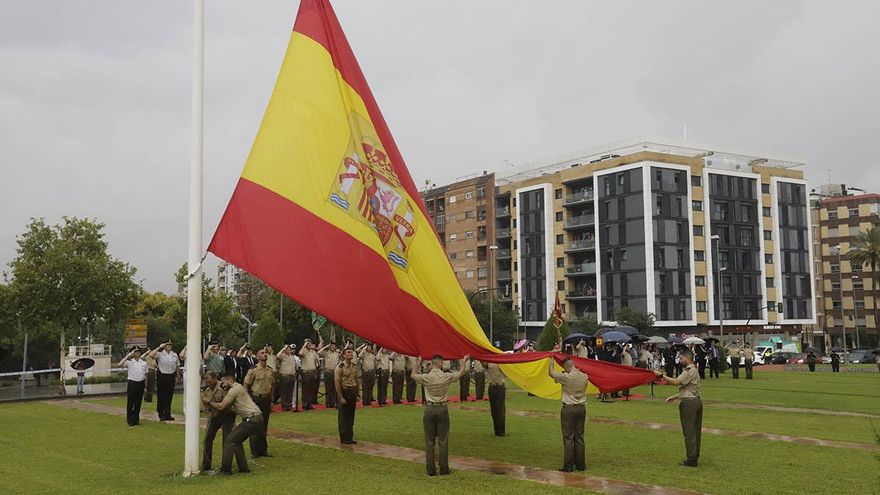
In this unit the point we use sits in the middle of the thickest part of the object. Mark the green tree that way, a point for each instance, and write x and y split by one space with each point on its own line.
64 278
550 336
586 326
220 320
641 321
503 320
865 250
268 332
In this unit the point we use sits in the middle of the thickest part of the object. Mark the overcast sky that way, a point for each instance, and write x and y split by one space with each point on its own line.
95 96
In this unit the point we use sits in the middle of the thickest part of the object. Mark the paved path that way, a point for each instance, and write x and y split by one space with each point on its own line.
527 473
712 431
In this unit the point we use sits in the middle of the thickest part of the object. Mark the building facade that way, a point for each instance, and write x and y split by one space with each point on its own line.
228 276
702 239
462 214
844 290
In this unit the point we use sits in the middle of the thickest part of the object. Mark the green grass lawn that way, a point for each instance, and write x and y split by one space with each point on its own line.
53 450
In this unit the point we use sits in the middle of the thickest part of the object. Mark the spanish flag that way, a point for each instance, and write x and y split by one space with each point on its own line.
326 212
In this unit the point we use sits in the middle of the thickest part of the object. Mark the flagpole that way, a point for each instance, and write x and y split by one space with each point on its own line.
194 284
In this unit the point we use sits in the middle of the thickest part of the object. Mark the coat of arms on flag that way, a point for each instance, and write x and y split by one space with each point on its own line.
367 187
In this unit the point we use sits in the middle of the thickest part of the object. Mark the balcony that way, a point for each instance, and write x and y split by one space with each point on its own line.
581 269
502 233
503 254
580 222
504 275
585 316
502 211
578 197
581 245
581 294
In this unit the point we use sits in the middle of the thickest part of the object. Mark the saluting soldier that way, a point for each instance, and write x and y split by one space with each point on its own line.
259 382
478 373
287 368
398 375
367 358
497 393
734 351
748 357
435 421
217 420
331 357
309 360
383 361
690 409
464 384
239 402
137 373
213 359
150 383
345 381
574 413
412 363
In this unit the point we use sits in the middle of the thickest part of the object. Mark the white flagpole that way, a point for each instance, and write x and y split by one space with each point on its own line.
192 380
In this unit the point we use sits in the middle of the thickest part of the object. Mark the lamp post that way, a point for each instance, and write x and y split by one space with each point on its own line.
718 269
492 296
836 251
249 325
856 308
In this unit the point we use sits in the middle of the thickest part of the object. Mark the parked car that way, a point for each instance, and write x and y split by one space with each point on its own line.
781 357
801 358
861 356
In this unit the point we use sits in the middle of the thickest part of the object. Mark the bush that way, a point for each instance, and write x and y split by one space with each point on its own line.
93 380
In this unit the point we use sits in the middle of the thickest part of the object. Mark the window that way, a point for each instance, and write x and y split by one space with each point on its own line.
698 230
558 216
768 258
699 255
469 195
469 234
771 306
621 179
560 285
771 282
560 262
765 188
700 281
696 180
451 199
836 305
453 256
835 285
745 237
558 193
453 237
482 272
701 306
481 192
858 284
451 217
698 205
513 224
623 255
560 239
835 268
853 211
469 254
855 267
469 274
766 211
469 214
832 214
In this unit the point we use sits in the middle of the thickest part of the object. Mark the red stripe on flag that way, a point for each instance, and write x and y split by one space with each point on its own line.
330 272
317 20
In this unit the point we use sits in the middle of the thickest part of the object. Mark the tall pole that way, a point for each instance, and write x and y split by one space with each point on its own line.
24 358
492 295
194 284
856 309
840 293
717 241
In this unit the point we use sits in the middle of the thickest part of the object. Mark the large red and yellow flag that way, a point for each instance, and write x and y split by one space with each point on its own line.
326 212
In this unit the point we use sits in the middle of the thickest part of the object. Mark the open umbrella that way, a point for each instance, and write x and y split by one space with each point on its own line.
626 329
86 363
657 340
811 349
639 338
711 339
693 340
619 337
675 340
519 344
574 338
836 349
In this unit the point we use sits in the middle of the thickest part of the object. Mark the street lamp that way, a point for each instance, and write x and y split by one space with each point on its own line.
856 308
250 326
720 294
492 296
836 251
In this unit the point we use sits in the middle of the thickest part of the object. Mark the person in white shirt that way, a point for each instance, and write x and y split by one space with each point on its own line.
137 373
167 365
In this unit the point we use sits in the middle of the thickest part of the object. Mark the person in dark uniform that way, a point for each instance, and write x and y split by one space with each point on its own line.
230 364
835 362
259 383
398 376
345 378
669 359
240 403
464 385
497 393
734 352
811 361
690 409
700 354
478 373
383 373
411 386
245 361
367 358
217 420
137 374
713 359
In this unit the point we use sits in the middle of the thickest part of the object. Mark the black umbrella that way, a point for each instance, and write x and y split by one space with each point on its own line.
811 349
626 329
618 337
711 339
86 363
640 338
574 338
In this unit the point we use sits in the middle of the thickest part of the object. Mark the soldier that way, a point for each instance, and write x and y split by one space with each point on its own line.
734 351
167 363
464 385
435 384
238 401
497 392
478 372
271 360
690 410
309 359
244 362
259 382
367 358
331 357
574 413
137 373
748 357
713 359
411 364
383 361
213 358
835 362
217 420
150 382
398 375
581 350
346 384
287 368
230 364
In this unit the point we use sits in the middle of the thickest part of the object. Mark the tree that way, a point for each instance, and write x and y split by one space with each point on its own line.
865 250
64 278
641 321
503 319
268 332
550 336
586 326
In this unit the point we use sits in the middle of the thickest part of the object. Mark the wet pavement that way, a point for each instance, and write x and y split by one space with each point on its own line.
515 471
711 431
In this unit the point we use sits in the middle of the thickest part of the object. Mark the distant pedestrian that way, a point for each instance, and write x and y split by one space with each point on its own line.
835 362
80 377
690 408
137 373
574 413
811 361
713 359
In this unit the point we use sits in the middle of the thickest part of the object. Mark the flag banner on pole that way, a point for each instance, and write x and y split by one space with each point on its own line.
327 213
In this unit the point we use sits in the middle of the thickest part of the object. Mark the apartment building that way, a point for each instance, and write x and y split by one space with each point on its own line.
844 301
463 215
700 237
228 276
